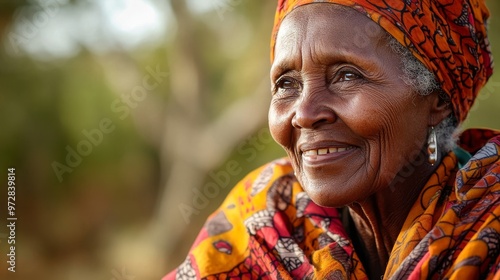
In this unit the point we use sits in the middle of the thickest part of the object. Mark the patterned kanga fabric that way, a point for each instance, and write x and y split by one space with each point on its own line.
268 228
448 36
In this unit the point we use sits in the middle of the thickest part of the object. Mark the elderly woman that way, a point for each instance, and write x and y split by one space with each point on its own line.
366 97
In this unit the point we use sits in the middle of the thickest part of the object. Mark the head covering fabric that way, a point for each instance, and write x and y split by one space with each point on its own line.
447 36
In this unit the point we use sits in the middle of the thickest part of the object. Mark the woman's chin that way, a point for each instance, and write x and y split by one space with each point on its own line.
332 196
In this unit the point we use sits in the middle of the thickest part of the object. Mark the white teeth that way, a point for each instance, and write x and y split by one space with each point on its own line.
325 151
311 153
322 151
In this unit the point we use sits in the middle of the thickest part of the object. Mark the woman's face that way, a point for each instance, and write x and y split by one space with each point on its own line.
340 108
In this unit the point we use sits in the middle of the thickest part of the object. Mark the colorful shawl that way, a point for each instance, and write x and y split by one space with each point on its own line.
268 228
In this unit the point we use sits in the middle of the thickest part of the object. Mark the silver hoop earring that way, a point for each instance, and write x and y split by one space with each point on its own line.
432 146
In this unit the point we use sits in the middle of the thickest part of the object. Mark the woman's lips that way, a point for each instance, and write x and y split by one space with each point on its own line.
324 154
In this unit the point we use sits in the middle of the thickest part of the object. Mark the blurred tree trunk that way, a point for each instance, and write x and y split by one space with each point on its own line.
192 145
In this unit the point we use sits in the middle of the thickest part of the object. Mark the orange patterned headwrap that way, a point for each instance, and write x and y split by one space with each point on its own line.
448 36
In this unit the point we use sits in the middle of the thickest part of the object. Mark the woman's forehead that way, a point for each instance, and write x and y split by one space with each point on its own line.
323 18
325 26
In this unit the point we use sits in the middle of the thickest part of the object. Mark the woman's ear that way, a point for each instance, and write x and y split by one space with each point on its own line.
440 108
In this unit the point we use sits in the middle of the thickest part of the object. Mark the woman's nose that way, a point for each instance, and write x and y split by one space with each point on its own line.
313 111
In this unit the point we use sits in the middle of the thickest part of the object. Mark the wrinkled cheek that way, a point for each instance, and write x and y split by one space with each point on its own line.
369 116
375 125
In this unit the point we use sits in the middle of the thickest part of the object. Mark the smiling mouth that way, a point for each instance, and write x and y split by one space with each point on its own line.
325 151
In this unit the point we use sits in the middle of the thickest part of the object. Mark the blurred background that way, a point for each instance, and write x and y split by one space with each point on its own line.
128 121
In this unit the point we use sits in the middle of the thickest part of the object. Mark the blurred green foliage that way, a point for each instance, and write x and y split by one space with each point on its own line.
486 110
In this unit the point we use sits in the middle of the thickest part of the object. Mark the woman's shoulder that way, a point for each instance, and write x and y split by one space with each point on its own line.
470 220
480 175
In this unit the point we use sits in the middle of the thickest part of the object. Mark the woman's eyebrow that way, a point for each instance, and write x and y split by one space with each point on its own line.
280 67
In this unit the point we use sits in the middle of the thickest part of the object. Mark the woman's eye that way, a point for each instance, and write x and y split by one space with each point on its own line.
348 76
286 83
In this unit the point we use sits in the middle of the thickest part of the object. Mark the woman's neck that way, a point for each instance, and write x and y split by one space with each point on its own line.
379 219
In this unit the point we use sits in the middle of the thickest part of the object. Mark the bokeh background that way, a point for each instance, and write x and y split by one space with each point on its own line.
118 114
